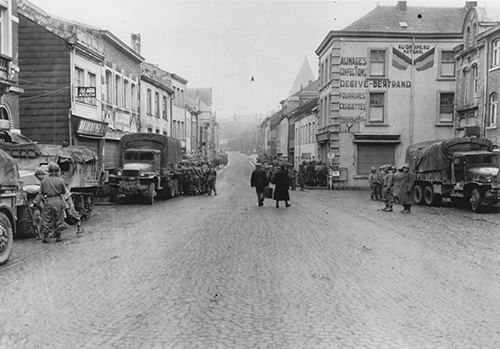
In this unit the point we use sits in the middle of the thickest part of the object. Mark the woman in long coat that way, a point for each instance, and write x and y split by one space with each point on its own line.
282 182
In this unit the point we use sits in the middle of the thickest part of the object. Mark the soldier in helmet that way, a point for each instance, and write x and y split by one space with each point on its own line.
388 188
51 189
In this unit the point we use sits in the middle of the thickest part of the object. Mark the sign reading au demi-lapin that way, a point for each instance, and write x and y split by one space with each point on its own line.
355 80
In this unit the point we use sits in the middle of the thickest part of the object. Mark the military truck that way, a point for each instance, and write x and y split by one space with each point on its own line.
462 169
79 169
148 167
9 185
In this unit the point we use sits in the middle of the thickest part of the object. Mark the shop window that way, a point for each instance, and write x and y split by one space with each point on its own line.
493 110
376 110
377 62
447 64
446 101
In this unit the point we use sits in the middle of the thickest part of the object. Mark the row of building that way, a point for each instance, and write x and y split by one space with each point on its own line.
63 81
397 76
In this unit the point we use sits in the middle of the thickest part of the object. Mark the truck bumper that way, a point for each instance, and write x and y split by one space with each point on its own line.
491 196
132 187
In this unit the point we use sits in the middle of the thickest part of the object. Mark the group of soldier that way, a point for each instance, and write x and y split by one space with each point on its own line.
197 177
392 186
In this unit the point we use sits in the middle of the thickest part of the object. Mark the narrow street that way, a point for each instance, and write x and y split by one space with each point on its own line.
220 272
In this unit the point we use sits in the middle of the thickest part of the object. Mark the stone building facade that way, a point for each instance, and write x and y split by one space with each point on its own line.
386 81
478 75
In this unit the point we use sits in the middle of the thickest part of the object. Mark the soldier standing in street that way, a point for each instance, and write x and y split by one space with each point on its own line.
406 181
282 182
301 176
374 182
51 189
211 179
388 187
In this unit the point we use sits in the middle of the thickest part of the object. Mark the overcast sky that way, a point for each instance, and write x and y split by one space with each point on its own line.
222 44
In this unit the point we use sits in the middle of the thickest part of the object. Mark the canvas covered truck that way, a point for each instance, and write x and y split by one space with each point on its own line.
464 170
148 167
79 169
9 187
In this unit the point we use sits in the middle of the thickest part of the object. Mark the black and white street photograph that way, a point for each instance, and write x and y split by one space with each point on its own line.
240 174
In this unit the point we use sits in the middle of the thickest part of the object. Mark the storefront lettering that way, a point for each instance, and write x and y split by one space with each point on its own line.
413 49
375 83
353 71
352 95
352 106
353 61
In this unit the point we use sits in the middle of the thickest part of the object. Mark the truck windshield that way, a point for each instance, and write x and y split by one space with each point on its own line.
490 160
138 156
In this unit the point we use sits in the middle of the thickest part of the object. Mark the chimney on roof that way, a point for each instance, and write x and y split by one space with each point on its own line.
470 4
135 42
401 6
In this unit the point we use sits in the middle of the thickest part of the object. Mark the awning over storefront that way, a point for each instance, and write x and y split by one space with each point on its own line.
376 138
88 128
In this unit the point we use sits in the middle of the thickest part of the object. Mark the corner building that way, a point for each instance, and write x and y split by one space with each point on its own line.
386 81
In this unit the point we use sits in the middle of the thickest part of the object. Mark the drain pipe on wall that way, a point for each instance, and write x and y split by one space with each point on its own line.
71 92
412 89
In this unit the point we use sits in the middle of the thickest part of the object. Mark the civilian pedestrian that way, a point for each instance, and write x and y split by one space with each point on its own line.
282 182
259 181
301 176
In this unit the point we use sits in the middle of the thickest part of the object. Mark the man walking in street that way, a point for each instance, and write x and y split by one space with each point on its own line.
51 189
259 181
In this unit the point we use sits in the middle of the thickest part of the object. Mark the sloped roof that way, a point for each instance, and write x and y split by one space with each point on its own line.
312 87
488 14
203 93
303 78
418 19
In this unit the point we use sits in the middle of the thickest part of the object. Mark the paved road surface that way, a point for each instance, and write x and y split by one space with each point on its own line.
219 272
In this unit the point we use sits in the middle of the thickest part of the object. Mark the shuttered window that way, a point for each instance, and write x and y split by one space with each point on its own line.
111 155
374 155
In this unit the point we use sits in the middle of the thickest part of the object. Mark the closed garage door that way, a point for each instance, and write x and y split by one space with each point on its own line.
111 155
374 155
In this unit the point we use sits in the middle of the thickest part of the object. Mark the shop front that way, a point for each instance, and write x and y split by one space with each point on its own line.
90 134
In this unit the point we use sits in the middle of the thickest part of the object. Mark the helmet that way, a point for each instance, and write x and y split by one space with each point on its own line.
373 169
39 173
54 168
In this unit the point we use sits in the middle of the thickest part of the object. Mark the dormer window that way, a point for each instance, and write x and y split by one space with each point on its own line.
467 37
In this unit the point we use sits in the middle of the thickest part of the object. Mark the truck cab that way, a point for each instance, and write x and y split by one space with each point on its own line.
140 173
476 178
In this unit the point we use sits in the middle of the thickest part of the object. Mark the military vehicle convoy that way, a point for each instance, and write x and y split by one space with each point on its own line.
148 164
462 169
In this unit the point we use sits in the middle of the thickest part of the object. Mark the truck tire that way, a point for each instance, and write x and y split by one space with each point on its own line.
475 200
6 238
431 198
24 224
418 194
